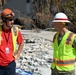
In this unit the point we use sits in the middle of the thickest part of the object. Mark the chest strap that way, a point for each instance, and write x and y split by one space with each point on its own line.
54 37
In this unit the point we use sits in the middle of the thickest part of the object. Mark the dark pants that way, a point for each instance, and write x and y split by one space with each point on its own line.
9 69
56 72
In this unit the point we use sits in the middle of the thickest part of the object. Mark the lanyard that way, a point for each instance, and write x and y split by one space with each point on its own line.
6 37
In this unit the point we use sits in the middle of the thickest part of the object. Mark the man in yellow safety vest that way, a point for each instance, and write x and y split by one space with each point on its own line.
64 45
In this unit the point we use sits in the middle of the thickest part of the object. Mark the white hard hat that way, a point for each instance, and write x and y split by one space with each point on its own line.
60 17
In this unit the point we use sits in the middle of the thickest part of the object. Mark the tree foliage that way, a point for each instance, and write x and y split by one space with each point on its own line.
54 6
48 8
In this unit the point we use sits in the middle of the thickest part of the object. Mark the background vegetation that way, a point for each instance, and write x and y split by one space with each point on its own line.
44 11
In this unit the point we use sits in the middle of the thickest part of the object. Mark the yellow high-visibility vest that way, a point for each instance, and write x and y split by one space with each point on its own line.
64 54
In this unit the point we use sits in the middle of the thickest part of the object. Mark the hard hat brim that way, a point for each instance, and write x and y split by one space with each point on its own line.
60 21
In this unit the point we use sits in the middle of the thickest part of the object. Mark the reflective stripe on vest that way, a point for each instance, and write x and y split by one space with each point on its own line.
54 37
64 63
69 38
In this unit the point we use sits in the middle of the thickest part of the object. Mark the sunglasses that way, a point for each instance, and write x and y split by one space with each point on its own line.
10 19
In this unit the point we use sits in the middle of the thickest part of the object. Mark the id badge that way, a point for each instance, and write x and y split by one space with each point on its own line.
7 49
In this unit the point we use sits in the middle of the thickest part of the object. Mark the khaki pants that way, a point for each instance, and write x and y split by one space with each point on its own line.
56 72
